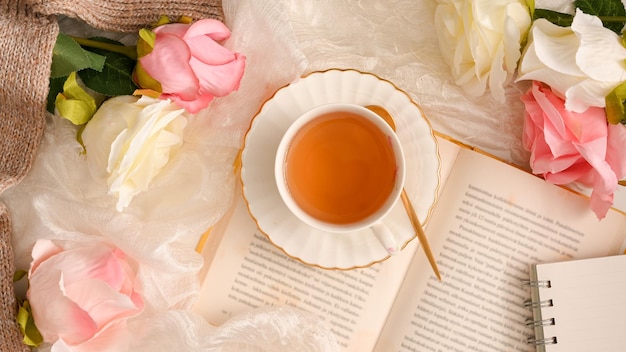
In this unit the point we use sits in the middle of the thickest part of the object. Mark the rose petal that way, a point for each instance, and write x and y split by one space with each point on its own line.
594 153
540 156
209 51
42 250
569 147
556 68
600 204
192 106
102 302
215 29
543 160
588 127
556 47
141 151
77 299
104 126
601 53
585 93
114 337
480 41
581 63
516 19
127 287
557 81
168 63
176 29
576 172
556 138
446 16
615 155
548 115
497 75
57 316
529 134
89 262
219 80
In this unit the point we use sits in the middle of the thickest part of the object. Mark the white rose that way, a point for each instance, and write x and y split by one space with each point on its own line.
131 139
480 41
582 63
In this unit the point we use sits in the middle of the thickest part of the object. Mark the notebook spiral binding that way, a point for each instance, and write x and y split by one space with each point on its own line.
538 305
541 342
541 304
537 323
536 283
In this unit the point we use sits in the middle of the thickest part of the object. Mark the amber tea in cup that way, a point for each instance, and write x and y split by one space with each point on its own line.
339 168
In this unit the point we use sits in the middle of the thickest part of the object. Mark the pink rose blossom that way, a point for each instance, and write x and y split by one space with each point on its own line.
568 147
82 296
188 65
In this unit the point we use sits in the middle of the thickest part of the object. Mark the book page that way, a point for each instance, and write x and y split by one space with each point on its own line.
491 221
248 272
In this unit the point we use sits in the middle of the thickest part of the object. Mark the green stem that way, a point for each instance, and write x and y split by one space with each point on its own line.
129 51
612 18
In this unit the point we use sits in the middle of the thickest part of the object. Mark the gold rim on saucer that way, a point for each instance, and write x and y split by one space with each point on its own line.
298 240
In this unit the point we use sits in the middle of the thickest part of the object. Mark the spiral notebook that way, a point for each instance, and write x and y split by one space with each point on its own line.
579 305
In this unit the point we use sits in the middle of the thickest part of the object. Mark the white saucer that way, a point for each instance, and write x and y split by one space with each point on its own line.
283 229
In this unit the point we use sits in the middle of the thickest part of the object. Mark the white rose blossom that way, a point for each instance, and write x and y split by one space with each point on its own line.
131 140
582 63
481 41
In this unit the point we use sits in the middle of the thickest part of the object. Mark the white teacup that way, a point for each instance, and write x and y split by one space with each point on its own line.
340 168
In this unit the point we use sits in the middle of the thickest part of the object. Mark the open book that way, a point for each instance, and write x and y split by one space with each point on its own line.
490 222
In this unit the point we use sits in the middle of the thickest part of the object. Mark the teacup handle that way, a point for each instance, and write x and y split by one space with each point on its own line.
384 235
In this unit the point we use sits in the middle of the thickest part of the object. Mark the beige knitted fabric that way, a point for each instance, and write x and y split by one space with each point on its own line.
28 29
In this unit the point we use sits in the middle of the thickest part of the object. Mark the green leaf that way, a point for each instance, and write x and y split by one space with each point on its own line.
558 18
145 43
96 62
615 105
68 56
108 45
116 77
74 103
531 7
19 274
32 336
56 87
605 10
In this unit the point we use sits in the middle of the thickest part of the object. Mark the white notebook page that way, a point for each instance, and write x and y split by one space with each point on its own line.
589 304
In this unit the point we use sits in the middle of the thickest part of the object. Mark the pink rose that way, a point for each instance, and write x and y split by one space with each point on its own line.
82 296
569 147
185 62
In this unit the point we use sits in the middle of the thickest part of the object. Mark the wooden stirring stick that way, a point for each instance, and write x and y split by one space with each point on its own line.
417 226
